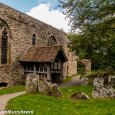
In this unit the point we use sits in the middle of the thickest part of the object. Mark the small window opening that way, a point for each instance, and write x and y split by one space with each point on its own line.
34 39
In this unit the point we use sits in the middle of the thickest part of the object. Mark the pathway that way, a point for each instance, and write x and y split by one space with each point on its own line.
5 98
75 81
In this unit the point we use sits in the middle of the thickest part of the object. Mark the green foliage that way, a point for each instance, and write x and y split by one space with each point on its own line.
46 105
96 22
85 13
79 67
91 74
12 90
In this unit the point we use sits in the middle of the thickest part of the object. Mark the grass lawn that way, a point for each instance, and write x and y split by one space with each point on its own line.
12 90
46 105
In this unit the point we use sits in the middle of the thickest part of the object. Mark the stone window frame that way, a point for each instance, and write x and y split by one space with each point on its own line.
52 38
4 25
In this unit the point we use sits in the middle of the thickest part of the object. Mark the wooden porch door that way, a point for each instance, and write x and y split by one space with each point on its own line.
56 71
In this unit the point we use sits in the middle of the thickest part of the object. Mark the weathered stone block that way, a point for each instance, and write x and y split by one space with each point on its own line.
79 96
56 92
44 87
32 83
111 80
110 90
84 81
100 92
98 81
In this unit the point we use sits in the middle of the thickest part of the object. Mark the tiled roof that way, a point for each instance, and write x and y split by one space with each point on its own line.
42 54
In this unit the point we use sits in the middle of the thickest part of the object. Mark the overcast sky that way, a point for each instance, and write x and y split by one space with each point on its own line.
44 10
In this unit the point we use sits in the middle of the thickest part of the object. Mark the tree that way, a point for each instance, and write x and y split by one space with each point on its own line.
96 21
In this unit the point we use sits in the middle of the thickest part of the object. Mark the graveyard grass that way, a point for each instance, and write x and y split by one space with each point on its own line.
12 90
47 105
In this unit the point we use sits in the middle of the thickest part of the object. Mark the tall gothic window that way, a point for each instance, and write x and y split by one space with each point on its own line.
34 39
4 46
52 41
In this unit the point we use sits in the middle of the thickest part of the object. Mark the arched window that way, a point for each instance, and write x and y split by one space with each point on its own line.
34 39
4 47
52 41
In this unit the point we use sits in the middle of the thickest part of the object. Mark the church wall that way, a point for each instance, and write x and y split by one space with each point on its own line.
71 65
22 27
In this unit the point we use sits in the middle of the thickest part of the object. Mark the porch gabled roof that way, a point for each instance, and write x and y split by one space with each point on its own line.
43 54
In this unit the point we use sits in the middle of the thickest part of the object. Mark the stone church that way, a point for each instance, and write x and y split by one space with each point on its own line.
31 46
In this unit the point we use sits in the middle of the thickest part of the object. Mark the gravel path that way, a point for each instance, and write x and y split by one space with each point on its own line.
75 81
5 98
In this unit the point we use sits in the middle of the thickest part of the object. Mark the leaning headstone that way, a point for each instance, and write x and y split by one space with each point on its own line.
32 83
110 90
84 81
79 96
98 81
44 87
99 92
110 70
111 80
56 92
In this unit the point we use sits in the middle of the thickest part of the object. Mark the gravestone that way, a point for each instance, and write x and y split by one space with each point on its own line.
32 83
111 80
98 81
56 92
100 92
79 96
110 90
44 87
84 81
110 70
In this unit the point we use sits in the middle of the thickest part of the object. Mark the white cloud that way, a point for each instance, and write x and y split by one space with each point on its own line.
48 5
53 17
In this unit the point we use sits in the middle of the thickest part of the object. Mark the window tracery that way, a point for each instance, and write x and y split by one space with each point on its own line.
52 41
